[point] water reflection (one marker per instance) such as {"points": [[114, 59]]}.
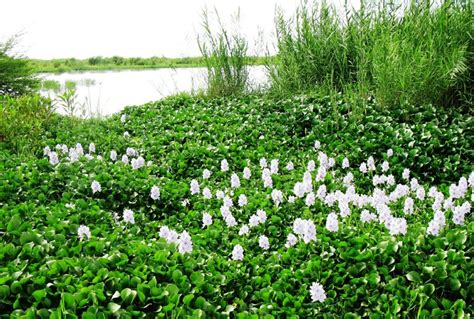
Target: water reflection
{"points": [[108, 92]]}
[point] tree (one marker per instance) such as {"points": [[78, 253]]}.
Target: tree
{"points": [[16, 74]]}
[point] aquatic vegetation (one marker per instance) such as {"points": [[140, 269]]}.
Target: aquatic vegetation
{"points": [[205, 218]]}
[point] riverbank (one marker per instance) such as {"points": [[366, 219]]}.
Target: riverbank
{"points": [[121, 63]]}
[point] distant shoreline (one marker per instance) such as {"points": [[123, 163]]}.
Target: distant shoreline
{"points": [[122, 64]]}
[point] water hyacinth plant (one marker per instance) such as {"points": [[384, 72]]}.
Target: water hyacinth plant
{"points": [[265, 232]]}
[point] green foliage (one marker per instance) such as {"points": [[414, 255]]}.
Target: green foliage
{"points": [[418, 54], [125, 270], [225, 57], [16, 74], [23, 121]]}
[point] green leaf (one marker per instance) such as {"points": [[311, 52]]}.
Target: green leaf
{"points": [[188, 298], [113, 307], [39, 295], [413, 276], [454, 284], [197, 278]]}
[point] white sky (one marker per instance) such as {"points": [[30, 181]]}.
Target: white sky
{"points": [[138, 28]]}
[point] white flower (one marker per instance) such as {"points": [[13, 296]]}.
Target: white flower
{"points": [[332, 223], [321, 173], [371, 163], [367, 216], [83, 231], [238, 253], [389, 152], [397, 226], [194, 186], [206, 174], [267, 178], [385, 166], [409, 205], [420, 193], [70, 206], [53, 158], [227, 201], [185, 202], [138, 162], [46, 150], [317, 145], [220, 194], [321, 192], [125, 159], [254, 220], [274, 166], [262, 216], [244, 230], [185, 245], [471, 179], [128, 216], [131, 151], [305, 229], [263, 163], [433, 228], [95, 187], [406, 174], [206, 192], [311, 166], [126, 134], [149, 163], [224, 165], [234, 181], [91, 148], [363, 168], [230, 220], [290, 166], [242, 200], [113, 155], [123, 117], [299, 189], [317, 292], [155, 193], [247, 173], [73, 156], [169, 235], [345, 163], [89, 157], [310, 199], [331, 162], [206, 220], [79, 149], [277, 197], [291, 199], [263, 242], [291, 240], [347, 181]]}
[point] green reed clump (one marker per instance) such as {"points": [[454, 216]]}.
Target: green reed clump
{"points": [[418, 54], [226, 60]]}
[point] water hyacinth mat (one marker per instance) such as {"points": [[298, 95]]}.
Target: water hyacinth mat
{"points": [[195, 208]]}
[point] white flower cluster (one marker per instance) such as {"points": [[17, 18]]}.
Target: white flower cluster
{"points": [[263, 242], [95, 185], [317, 292], [277, 197], [206, 174], [234, 181], [305, 229], [128, 216], [238, 253], [183, 240], [267, 178], [155, 193], [194, 187], [83, 231], [247, 174], [138, 162], [206, 220], [332, 223], [258, 218]]}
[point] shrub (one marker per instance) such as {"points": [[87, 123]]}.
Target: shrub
{"points": [[23, 120], [225, 56], [419, 54], [16, 75]]}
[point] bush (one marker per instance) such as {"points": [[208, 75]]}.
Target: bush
{"points": [[23, 120], [420, 54], [225, 56], [16, 75]]}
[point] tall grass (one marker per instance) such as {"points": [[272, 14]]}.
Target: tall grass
{"points": [[419, 53], [226, 59]]}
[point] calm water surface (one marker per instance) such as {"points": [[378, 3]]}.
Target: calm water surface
{"points": [[110, 91]]}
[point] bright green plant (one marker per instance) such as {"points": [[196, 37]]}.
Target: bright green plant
{"points": [[225, 56], [16, 75], [23, 121]]}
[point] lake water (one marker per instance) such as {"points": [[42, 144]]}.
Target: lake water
{"points": [[108, 92]]}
